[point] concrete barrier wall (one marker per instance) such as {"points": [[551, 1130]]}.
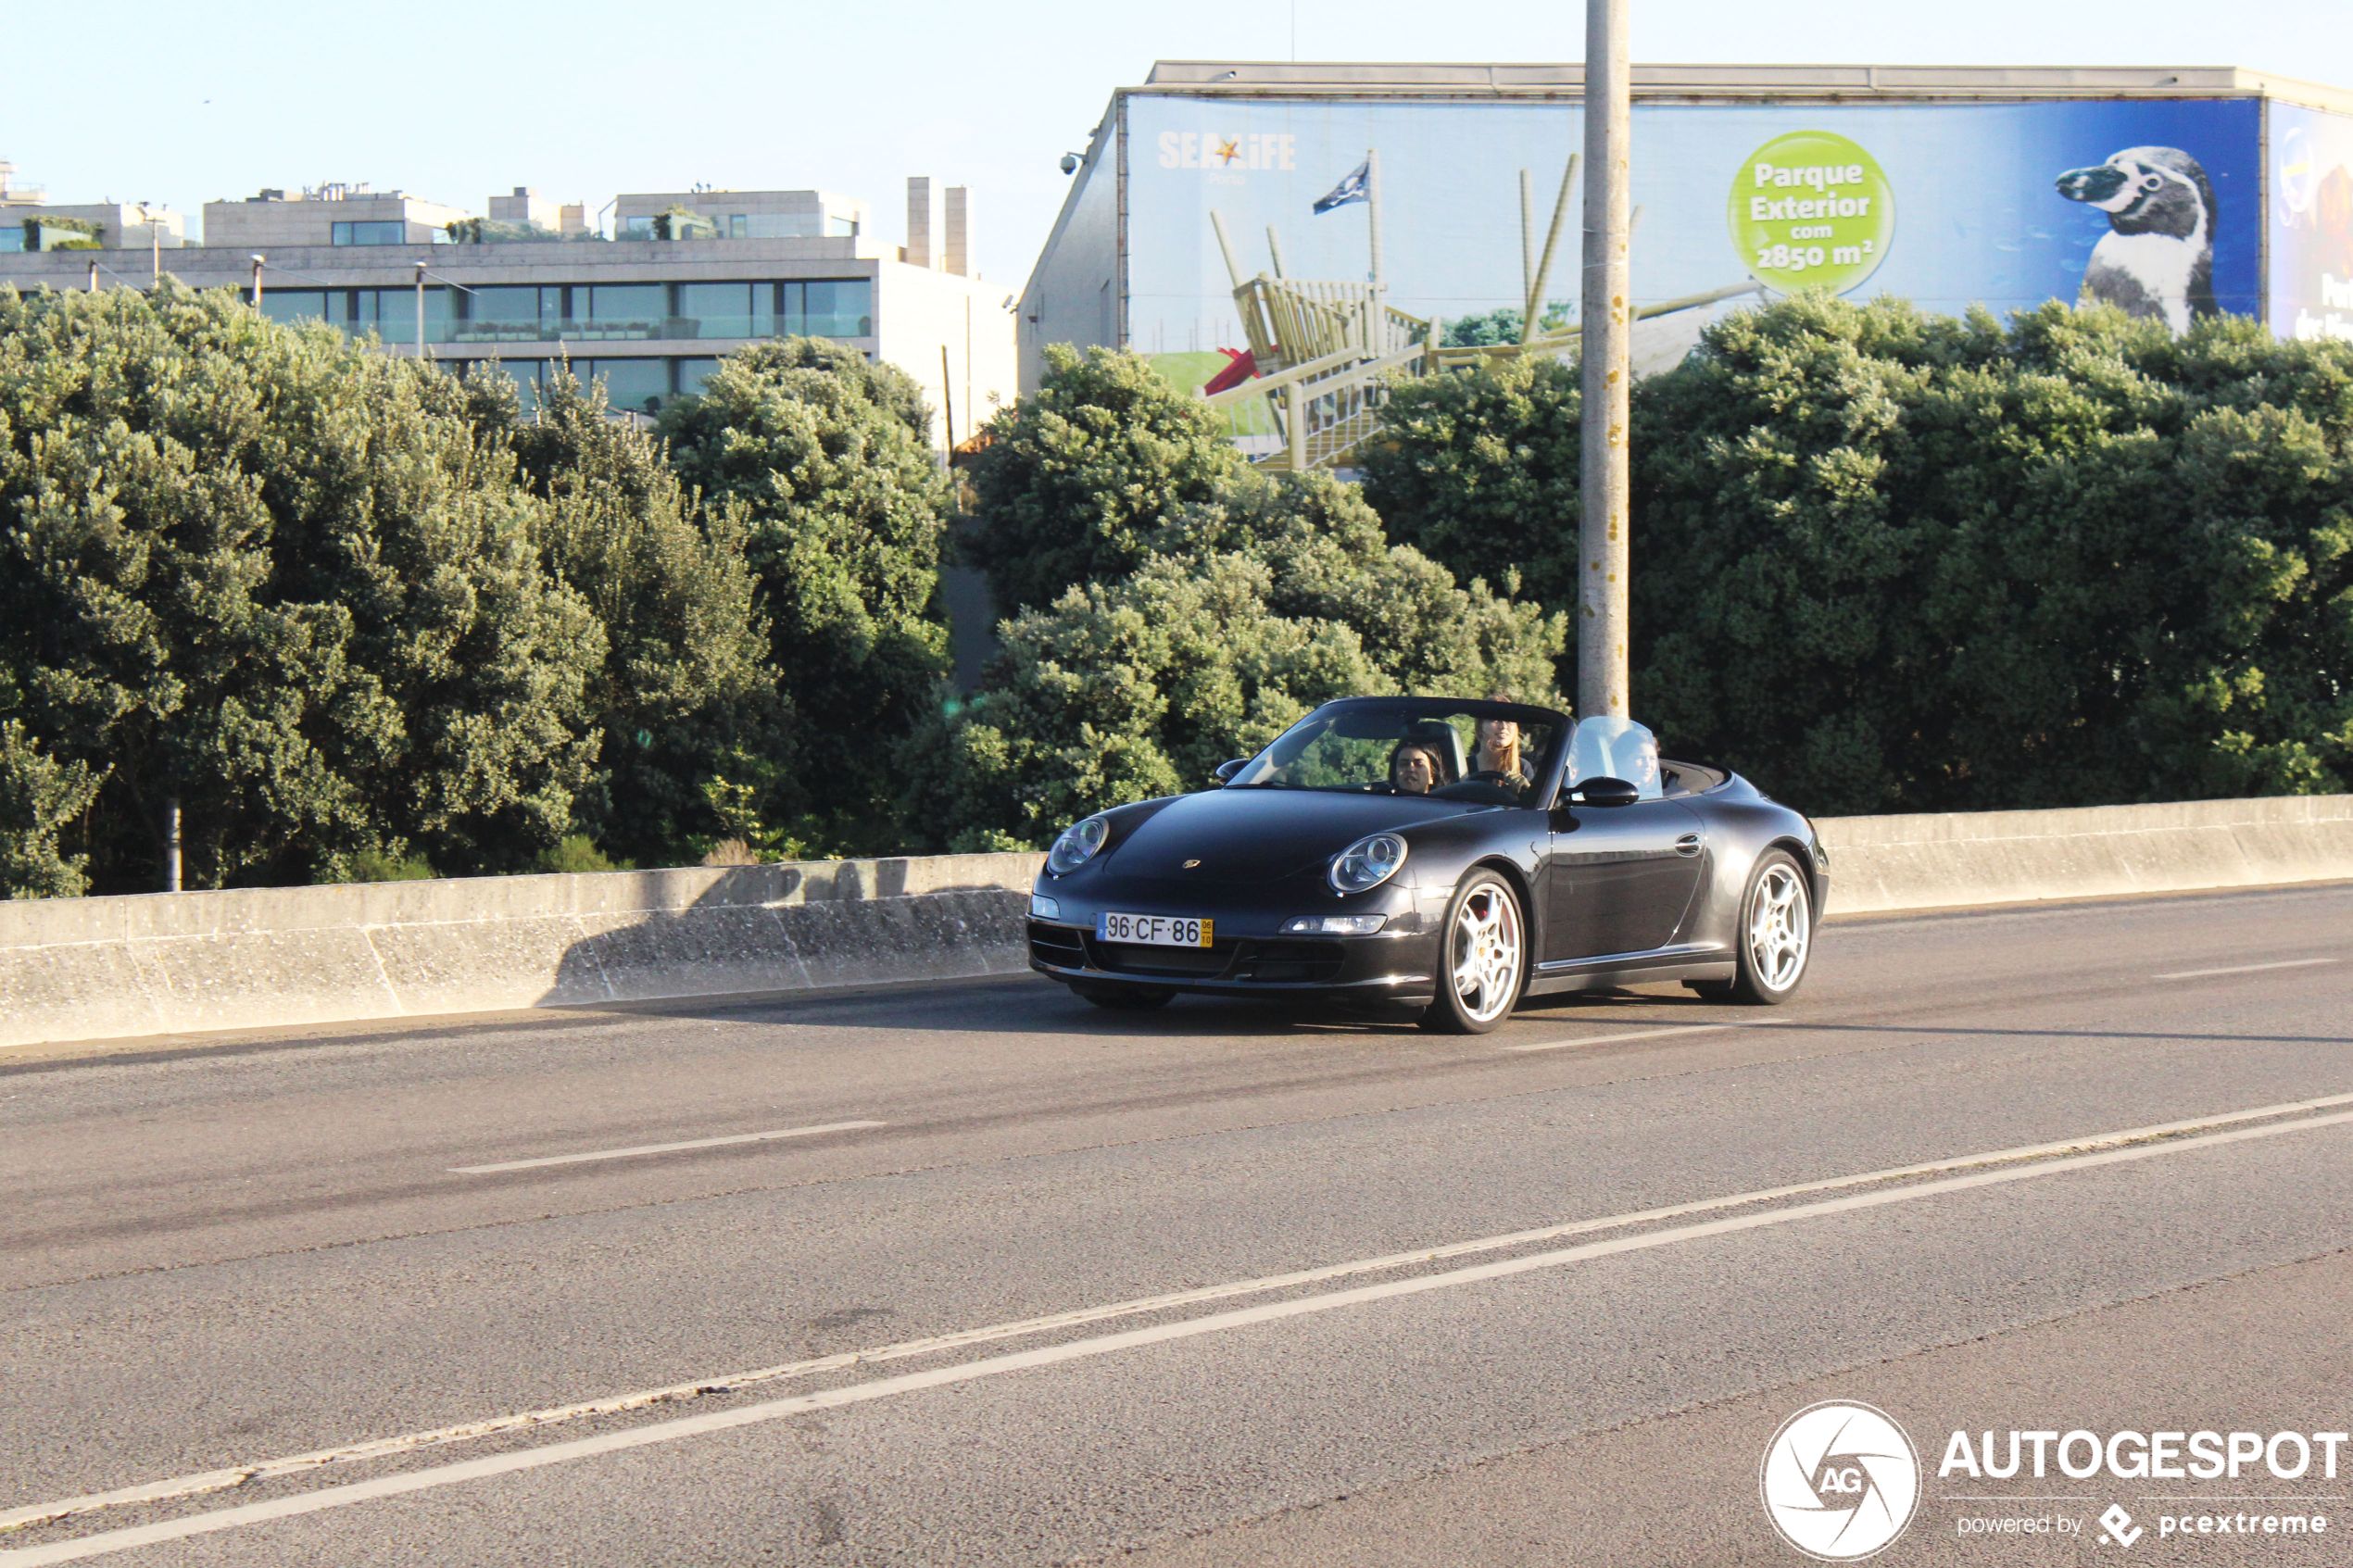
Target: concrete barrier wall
{"points": [[167, 964], [1886, 863], [84, 969]]}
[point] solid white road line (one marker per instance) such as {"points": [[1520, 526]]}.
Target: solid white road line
{"points": [[2241, 968], [660, 1149], [220, 1480], [1103, 1345], [1637, 1034]]}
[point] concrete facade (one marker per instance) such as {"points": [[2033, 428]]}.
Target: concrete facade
{"points": [[121, 225], [280, 220]]}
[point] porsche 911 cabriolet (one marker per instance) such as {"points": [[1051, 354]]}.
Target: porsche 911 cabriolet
{"points": [[1446, 855]]}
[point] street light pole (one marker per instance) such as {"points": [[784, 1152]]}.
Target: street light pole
{"points": [[259, 263], [1607, 309]]}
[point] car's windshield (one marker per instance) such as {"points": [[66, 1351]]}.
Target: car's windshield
{"points": [[1492, 753]]}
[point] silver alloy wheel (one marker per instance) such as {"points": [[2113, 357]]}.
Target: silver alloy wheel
{"points": [[1484, 952], [1778, 928]]}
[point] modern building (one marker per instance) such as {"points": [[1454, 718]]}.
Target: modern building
{"points": [[132, 225], [694, 275], [1232, 208]]}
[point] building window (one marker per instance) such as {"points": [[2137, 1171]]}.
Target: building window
{"points": [[640, 386], [842, 228], [301, 304], [385, 231], [692, 373], [636, 228], [719, 310], [391, 314], [626, 309], [832, 308]]}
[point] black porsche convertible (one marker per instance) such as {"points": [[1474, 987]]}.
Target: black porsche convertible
{"points": [[1446, 854]]}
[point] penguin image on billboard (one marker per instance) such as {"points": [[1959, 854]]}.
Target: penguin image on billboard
{"points": [[2156, 260]]}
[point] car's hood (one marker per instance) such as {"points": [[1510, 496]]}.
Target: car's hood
{"points": [[1262, 835]]}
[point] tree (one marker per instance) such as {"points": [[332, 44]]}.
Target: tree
{"points": [[846, 511], [686, 699], [1074, 479], [1479, 469], [1502, 325], [1246, 612], [274, 577], [1888, 560], [39, 795]]}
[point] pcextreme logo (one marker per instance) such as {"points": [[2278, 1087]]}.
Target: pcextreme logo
{"points": [[1840, 1481]]}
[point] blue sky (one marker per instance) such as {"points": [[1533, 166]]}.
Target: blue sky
{"points": [[173, 104]]}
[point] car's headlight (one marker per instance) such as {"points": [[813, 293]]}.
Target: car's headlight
{"points": [[1043, 908], [1368, 864], [1078, 845]]}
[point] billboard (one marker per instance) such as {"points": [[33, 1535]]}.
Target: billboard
{"points": [[2154, 204], [2312, 223]]}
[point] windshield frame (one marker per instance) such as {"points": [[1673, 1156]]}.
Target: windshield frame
{"points": [[1544, 768]]}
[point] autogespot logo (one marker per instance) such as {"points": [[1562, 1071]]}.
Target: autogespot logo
{"points": [[1840, 1481]]}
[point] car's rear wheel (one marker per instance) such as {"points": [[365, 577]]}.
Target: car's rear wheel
{"points": [[1129, 998], [1482, 959], [1776, 934]]}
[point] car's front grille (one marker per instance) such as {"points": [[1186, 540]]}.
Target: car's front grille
{"points": [[1274, 964], [1060, 945], [1133, 958], [1292, 962]]}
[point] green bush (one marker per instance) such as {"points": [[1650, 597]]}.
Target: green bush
{"points": [[1074, 479], [845, 511], [1245, 613], [39, 795], [374, 865], [1887, 560], [277, 577], [578, 853]]}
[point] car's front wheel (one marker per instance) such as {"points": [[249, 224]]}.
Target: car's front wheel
{"points": [[1482, 959], [1776, 934]]}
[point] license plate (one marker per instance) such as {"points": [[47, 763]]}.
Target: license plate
{"points": [[1154, 931]]}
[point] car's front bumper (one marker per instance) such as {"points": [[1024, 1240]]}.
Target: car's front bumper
{"points": [[1387, 966]]}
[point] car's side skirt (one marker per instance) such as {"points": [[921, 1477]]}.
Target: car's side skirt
{"points": [[1687, 961]]}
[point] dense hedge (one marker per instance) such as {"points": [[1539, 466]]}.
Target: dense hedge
{"points": [[1886, 560]]}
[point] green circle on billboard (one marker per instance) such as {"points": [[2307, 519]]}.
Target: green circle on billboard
{"points": [[1811, 210]]}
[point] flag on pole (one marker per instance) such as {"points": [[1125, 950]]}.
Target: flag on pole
{"points": [[1355, 188]]}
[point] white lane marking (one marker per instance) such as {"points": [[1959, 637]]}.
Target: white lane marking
{"points": [[1103, 1345], [1637, 1034], [2241, 968], [220, 1480], [660, 1149]]}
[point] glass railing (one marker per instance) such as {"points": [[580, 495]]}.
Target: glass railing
{"points": [[399, 330]]}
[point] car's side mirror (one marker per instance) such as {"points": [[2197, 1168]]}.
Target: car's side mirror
{"points": [[1604, 792], [1225, 772]]}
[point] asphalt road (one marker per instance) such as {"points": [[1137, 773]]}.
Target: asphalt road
{"points": [[1031, 1282]]}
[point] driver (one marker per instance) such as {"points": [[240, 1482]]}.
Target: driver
{"points": [[1415, 768], [1499, 748]]}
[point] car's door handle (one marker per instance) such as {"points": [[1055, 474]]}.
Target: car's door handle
{"points": [[1687, 844]]}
